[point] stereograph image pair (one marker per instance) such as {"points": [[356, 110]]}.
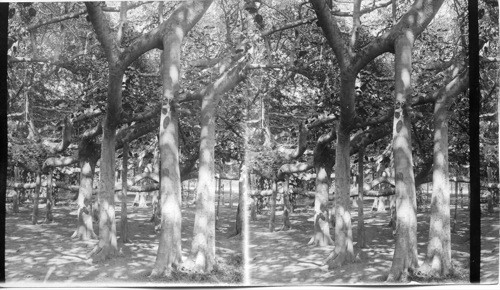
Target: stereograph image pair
{"points": [[240, 143]]}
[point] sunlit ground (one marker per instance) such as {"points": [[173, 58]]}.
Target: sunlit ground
{"points": [[284, 257], [45, 253]]}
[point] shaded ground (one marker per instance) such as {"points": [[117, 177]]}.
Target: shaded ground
{"points": [[284, 257], [45, 253]]}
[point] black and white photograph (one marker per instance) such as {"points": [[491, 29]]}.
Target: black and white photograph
{"points": [[231, 143]]}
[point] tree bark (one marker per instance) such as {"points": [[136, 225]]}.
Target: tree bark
{"points": [[123, 214], [287, 206], [219, 183], [107, 246], [15, 201], [241, 203], [36, 195], [405, 254], [50, 202], [344, 250], [272, 212], [203, 247], [231, 194], [88, 155], [323, 166], [438, 259], [361, 178], [169, 250]]}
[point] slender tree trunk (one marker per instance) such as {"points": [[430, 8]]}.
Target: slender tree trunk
{"points": [[36, 196], [272, 214], [438, 259], [49, 203], [231, 194], [123, 214], [405, 254], [15, 200], [221, 193], [241, 202], [361, 222], [203, 247], [218, 202], [286, 207], [453, 229]]}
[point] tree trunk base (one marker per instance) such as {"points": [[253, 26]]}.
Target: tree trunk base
{"points": [[401, 272], [101, 253], [321, 236], [85, 229], [161, 272], [427, 270], [338, 258], [83, 235]]}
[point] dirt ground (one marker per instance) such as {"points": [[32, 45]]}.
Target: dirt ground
{"points": [[283, 257], [45, 253]]}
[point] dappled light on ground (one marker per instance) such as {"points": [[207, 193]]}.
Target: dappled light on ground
{"points": [[283, 257], [45, 253]]}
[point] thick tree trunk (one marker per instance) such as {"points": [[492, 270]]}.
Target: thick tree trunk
{"points": [[169, 250], [361, 178], [344, 250], [107, 246], [272, 212], [123, 214], [405, 254], [36, 195], [49, 203]]}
